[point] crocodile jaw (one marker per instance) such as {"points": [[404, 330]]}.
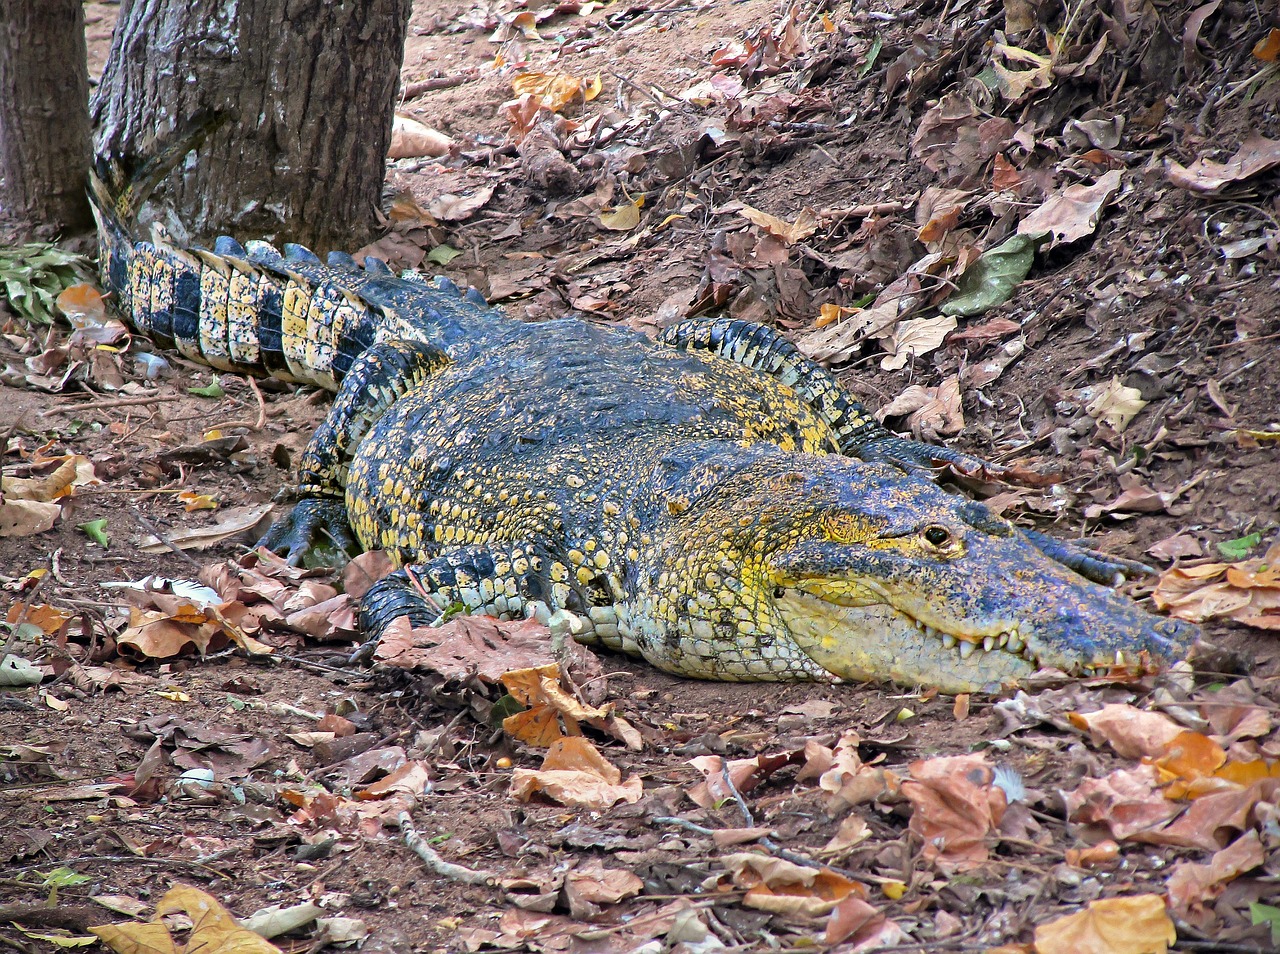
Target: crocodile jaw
{"points": [[876, 642]]}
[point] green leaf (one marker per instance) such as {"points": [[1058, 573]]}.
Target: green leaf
{"points": [[96, 530], [1261, 913], [1239, 548], [62, 878], [442, 254], [872, 55], [33, 275], [213, 390], [990, 280]]}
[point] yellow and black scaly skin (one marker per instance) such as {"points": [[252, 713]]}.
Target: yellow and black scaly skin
{"points": [[697, 500]]}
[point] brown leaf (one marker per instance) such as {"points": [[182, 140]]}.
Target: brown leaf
{"points": [[454, 208], [783, 887], [1193, 886], [1247, 591], [955, 809], [574, 773], [1132, 732], [23, 518], [1072, 213], [410, 138], [1256, 154], [1136, 924], [1126, 804], [806, 224], [213, 929]]}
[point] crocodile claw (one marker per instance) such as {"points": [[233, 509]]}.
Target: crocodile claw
{"points": [[312, 520], [1105, 568], [919, 457]]}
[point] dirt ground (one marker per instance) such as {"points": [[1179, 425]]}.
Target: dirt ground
{"points": [[1168, 299]]}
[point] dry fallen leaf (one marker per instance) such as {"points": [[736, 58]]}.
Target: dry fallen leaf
{"points": [[213, 929], [806, 224], [784, 887], [410, 139], [555, 91], [1072, 213], [1132, 732], [1116, 405], [955, 809], [1247, 591], [574, 773], [1136, 924], [1256, 154], [1193, 886]]}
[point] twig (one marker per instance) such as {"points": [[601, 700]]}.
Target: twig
{"points": [[771, 846], [155, 532], [437, 82], [437, 865], [75, 918], [102, 405], [252, 425]]}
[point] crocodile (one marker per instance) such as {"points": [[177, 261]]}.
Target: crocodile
{"points": [[711, 500]]}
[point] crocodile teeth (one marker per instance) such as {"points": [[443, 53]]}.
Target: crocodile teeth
{"points": [[1015, 644], [967, 648], [949, 641], [989, 643], [1119, 658]]}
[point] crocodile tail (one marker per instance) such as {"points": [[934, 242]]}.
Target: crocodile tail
{"points": [[257, 310]]}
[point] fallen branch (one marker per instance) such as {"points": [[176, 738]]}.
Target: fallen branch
{"points": [[437, 865], [102, 405]]}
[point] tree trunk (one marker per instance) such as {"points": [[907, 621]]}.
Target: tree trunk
{"points": [[44, 117], [311, 85]]}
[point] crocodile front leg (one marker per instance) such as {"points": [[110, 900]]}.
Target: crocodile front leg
{"points": [[378, 378]]}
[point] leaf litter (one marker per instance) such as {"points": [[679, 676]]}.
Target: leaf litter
{"points": [[1110, 834]]}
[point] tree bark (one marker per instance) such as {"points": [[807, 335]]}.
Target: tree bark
{"points": [[311, 85], [44, 118]]}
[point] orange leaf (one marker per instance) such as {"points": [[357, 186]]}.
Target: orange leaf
{"points": [[1268, 48], [1132, 925]]}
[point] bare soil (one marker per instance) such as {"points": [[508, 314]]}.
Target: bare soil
{"points": [[1149, 299]]}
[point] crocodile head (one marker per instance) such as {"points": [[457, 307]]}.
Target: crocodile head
{"points": [[874, 574]]}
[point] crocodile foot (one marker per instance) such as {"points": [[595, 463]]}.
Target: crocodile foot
{"points": [[918, 456], [312, 520], [1105, 568]]}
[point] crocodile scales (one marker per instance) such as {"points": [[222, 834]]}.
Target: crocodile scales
{"points": [[711, 501]]}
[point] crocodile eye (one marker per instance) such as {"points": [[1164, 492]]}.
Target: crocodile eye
{"points": [[937, 536], [779, 592]]}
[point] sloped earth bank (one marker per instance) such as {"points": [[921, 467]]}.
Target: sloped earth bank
{"points": [[894, 142]]}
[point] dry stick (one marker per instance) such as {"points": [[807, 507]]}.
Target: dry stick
{"points": [[252, 425], [772, 846], [437, 865], [155, 532], [101, 405], [438, 82]]}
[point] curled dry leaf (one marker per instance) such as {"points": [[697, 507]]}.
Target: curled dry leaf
{"points": [[806, 224], [1137, 924], [783, 887], [1132, 732], [212, 929], [555, 91], [955, 809], [1256, 154], [410, 139], [931, 412], [228, 523], [914, 338], [1192, 887], [574, 773], [1072, 213], [1116, 405], [1247, 592], [861, 927]]}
